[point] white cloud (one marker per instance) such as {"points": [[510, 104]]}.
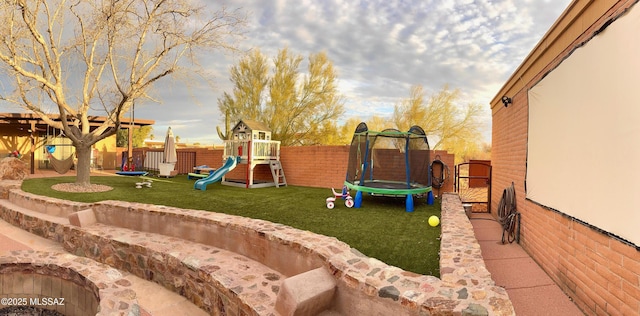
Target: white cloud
{"points": [[379, 48]]}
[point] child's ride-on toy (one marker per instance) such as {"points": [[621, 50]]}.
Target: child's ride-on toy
{"points": [[348, 200], [145, 182]]}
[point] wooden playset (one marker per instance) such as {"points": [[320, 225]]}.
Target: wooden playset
{"points": [[251, 142]]}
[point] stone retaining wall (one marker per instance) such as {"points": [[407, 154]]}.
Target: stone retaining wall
{"points": [[6, 186], [279, 247], [364, 286], [213, 279], [65, 283], [46, 205]]}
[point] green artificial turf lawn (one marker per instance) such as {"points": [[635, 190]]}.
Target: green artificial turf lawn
{"points": [[380, 228]]}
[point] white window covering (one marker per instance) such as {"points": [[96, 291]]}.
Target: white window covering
{"points": [[583, 154]]}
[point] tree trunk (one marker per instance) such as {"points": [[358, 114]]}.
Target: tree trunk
{"points": [[83, 167]]}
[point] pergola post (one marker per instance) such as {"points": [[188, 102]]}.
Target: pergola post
{"points": [[32, 130]]}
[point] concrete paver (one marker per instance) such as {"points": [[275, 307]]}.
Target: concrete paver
{"points": [[9, 244], [532, 275], [158, 301], [495, 250], [18, 239], [531, 290], [542, 300]]}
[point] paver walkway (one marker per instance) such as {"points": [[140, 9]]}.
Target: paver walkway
{"points": [[530, 289]]}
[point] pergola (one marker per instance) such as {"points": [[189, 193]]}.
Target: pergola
{"points": [[32, 126]]}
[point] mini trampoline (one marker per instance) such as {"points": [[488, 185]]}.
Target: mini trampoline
{"points": [[389, 187], [132, 173], [389, 162]]}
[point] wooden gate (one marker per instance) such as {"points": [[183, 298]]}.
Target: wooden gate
{"points": [[473, 184]]}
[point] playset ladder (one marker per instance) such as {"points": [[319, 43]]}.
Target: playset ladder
{"points": [[277, 173]]}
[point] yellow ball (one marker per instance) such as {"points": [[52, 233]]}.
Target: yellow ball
{"points": [[434, 221]]}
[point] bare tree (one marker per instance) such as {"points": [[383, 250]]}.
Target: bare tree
{"points": [[75, 57]]}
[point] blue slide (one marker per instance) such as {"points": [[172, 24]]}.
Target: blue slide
{"points": [[215, 176]]}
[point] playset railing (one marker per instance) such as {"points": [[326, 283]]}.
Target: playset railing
{"points": [[253, 149]]}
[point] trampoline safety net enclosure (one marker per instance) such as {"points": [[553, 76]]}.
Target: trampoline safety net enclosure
{"points": [[389, 162]]}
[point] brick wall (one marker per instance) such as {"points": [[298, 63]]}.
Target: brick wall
{"points": [[390, 164], [210, 157], [449, 160], [261, 173], [598, 271], [313, 166]]}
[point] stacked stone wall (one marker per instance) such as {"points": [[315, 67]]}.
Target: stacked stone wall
{"points": [[197, 270], [65, 283]]}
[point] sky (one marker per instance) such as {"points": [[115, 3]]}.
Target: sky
{"points": [[380, 49]]}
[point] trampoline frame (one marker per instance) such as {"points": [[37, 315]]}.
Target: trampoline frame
{"points": [[415, 189], [409, 192]]}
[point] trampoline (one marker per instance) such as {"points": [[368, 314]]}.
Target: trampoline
{"points": [[388, 187], [391, 163], [132, 173]]}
